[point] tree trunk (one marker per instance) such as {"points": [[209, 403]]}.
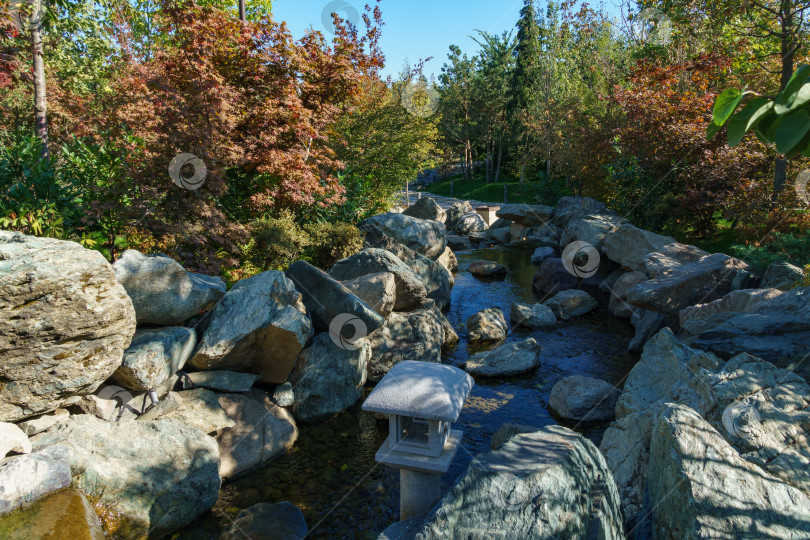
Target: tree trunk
{"points": [[40, 96], [788, 52], [498, 168]]}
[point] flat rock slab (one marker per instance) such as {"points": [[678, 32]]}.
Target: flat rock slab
{"points": [[532, 316], [145, 478], [506, 360], [63, 514], [25, 479], [629, 246], [528, 215], [161, 289], [64, 323], [200, 409], [154, 355], [41, 423], [223, 380], [13, 439], [262, 432]]}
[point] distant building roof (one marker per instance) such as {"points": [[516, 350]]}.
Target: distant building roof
{"points": [[421, 389]]}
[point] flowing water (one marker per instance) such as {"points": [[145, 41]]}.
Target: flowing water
{"points": [[330, 473]]}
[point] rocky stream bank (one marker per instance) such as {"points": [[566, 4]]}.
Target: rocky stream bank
{"points": [[129, 393]]}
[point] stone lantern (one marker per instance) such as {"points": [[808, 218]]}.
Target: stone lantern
{"points": [[421, 400], [488, 213]]}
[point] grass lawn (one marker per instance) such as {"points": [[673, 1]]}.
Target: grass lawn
{"points": [[477, 189]]}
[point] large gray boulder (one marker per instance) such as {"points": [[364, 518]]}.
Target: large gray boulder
{"points": [[25, 479], [528, 215], [572, 208], [552, 278], [618, 306], [410, 291], [542, 253], [508, 493], [449, 261], [155, 477], [532, 316], [779, 338], [426, 208], [328, 378], [458, 243], [427, 237], [695, 283], [671, 257], [700, 486], [261, 432], [162, 291], [487, 325], [200, 408], [571, 303], [546, 234], [629, 246], [378, 290], [696, 319], [154, 355], [326, 299], [64, 323], [258, 326], [470, 223], [505, 360], [437, 279], [583, 399], [781, 275], [13, 439], [591, 229], [265, 521], [455, 212], [418, 335]]}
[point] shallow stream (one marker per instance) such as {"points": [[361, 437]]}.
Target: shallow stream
{"points": [[330, 473]]}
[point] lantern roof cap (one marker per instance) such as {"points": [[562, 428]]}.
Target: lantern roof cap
{"points": [[422, 390]]}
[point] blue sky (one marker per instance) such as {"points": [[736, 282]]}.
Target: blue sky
{"points": [[415, 29]]}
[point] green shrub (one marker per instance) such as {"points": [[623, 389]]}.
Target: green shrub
{"points": [[277, 242], [792, 248], [331, 242]]}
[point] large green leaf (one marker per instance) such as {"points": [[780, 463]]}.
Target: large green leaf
{"points": [[802, 97], [725, 105], [747, 118], [788, 95], [791, 132], [712, 130], [766, 128]]}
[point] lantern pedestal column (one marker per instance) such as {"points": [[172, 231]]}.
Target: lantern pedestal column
{"points": [[418, 492]]}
